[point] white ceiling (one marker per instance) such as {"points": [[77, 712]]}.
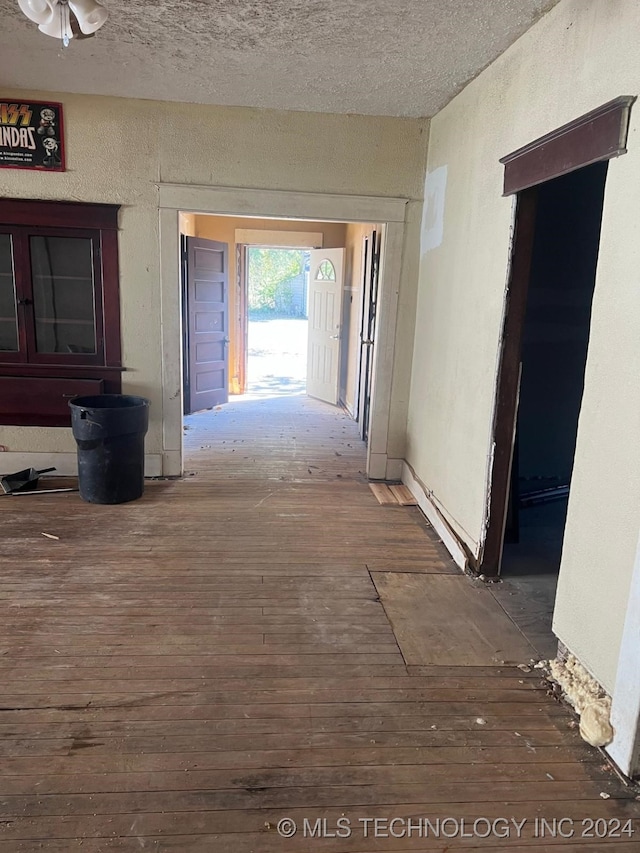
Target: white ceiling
{"points": [[378, 57]]}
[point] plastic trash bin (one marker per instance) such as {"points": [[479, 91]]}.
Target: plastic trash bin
{"points": [[109, 430]]}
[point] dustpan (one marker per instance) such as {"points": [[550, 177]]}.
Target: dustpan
{"points": [[22, 481]]}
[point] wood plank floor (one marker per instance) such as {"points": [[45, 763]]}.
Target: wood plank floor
{"points": [[183, 672], [420, 609]]}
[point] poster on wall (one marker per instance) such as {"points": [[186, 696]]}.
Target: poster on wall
{"points": [[31, 136]]}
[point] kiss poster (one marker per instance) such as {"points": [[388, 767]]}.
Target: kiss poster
{"points": [[31, 136]]}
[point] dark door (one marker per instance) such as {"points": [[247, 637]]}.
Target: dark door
{"points": [[371, 268], [541, 378], [205, 323]]}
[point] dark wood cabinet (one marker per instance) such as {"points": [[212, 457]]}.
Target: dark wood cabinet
{"points": [[59, 308]]}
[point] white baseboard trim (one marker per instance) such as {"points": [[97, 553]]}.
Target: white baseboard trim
{"points": [[153, 465], [377, 466], [171, 463], [434, 517], [394, 469], [66, 464]]}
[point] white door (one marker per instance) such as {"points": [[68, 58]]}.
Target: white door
{"points": [[326, 271]]}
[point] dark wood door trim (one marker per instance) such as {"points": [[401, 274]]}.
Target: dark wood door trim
{"points": [[64, 214], [184, 312], [598, 135], [366, 248], [368, 329], [509, 379]]}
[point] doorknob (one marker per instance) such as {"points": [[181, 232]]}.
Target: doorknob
{"points": [[226, 340], [334, 337], [25, 301]]}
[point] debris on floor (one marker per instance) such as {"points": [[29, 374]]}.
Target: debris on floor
{"points": [[588, 698], [595, 725]]}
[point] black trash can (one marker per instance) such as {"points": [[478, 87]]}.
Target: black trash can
{"points": [[109, 430]]}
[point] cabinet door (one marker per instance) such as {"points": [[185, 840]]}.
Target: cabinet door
{"points": [[12, 343], [66, 298]]}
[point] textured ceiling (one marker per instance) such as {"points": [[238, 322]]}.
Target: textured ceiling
{"points": [[379, 57]]}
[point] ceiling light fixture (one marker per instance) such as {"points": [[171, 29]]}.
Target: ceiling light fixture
{"points": [[65, 19]]}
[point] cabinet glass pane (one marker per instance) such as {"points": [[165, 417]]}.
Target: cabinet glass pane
{"points": [[8, 318], [62, 272]]}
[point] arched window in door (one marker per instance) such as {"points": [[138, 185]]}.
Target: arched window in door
{"points": [[325, 271]]}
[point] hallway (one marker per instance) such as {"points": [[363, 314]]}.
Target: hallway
{"points": [[183, 672]]}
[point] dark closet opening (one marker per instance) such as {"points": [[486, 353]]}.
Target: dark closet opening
{"points": [[555, 338]]}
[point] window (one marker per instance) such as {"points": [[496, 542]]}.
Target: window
{"points": [[325, 271]]}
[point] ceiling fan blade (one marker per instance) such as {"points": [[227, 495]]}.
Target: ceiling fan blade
{"points": [[38, 11], [90, 14], [77, 32]]}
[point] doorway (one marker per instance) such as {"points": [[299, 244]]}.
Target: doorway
{"points": [[293, 318], [559, 230], [382, 461], [276, 282]]}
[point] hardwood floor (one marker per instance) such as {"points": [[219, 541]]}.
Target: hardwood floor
{"points": [[182, 672]]}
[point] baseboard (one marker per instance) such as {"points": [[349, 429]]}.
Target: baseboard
{"points": [[66, 464], [377, 466], [171, 463], [448, 537], [394, 469]]}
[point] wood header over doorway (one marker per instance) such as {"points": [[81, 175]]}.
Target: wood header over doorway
{"points": [[280, 239], [598, 135]]}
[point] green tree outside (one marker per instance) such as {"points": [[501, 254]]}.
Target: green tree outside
{"points": [[268, 270]]}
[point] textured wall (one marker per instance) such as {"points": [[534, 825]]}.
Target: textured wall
{"points": [[119, 149], [579, 56]]}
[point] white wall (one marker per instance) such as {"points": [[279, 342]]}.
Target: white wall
{"points": [[580, 55], [119, 149]]}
